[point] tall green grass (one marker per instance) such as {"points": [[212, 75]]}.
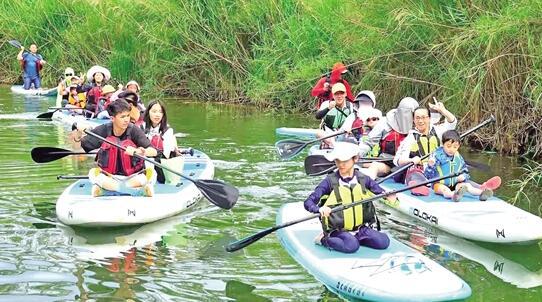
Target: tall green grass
{"points": [[479, 57]]}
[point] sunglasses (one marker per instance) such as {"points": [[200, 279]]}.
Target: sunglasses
{"points": [[68, 74], [373, 119]]}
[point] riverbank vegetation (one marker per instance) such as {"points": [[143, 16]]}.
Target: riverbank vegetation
{"points": [[479, 57]]}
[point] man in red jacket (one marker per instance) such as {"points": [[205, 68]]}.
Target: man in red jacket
{"points": [[322, 89]]}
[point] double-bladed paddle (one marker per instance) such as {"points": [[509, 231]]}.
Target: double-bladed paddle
{"points": [[400, 169], [288, 148], [219, 193], [237, 245]]}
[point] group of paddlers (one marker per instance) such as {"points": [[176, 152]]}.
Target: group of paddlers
{"points": [[410, 134]]}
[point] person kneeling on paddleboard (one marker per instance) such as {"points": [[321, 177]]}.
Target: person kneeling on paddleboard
{"points": [[345, 186], [119, 171], [446, 160]]}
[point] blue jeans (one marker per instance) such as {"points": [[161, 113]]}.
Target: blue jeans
{"points": [[27, 82]]}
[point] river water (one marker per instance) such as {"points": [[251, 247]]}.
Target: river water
{"points": [[183, 258]]}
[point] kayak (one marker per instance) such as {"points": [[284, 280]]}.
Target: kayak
{"points": [[496, 264], [69, 117], [76, 206], [18, 89], [297, 132], [95, 244], [397, 273], [493, 220]]}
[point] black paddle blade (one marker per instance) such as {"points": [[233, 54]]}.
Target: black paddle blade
{"points": [[219, 193], [288, 148], [239, 244], [48, 154], [15, 43], [317, 164], [46, 115]]}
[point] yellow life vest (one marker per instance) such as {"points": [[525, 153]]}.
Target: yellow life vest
{"points": [[80, 102], [349, 219], [424, 144]]}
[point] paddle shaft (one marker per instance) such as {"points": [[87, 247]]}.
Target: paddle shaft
{"points": [[403, 168], [72, 177], [234, 246], [331, 135], [139, 156]]}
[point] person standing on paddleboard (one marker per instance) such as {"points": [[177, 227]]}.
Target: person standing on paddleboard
{"points": [[31, 62], [345, 186]]}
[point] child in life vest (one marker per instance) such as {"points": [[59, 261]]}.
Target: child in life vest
{"points": [[446, 160], [344, 186]]}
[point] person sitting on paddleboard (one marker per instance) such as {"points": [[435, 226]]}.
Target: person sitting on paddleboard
{"points": [[423, 139], [446, 160], [160, 134], [322, 89], [386, 136], [63, 88], [344, 186], [364, 102], [131, 87], [104, 101], [98, 77], [31, 62], [113, 162], [333, 114], [75, 99]]}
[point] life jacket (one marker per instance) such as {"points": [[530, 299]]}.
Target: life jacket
{"points": [[39, 66], [390, 143], [424, 144], [349, 219], [80, 101], [93, 96], [109, 157], [157, 142], [358, 133], [335, 118], [449, 167], [375, 150]]}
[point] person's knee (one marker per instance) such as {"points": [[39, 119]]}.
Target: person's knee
{"points": [[381, 241], [351, 246]]}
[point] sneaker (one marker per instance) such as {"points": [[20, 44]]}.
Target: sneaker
{"points": [[493, 183], [148, 190], [458, 194], [419, 191], [486, 194], [96, 191], [318, 239], [93, 175]]}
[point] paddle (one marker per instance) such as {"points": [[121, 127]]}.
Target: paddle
{"points": [[491, 119], [49, 114], [288, 148], [219, 193], [317, 164], [237, 245], [49, 154], [18, 45], [59, 177]]}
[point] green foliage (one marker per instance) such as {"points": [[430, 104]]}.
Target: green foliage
{"points": [[479, 57]]}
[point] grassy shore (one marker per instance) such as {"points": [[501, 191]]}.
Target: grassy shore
{"points": [[479, 57]]}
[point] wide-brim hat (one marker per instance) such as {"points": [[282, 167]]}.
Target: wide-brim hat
{"points": [[95, 69], [108, 89], [400, 119], [343, 151]]}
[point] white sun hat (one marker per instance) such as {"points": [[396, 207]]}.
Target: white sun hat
{"points": [[343, 151], [95, 69], [365, 113]]}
